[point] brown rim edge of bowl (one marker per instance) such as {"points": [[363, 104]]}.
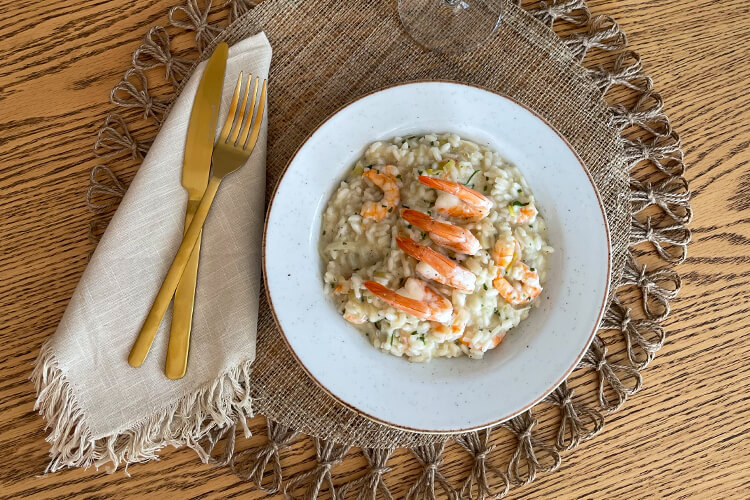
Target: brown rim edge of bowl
{"points": [[567, 371]]}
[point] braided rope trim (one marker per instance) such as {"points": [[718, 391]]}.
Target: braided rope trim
{"points": [[155, 51], [430, 457], [132, 92], [252, 464], [477, 444], [328, 455], [114, 139], [372, 482], [191, 17], [661, 212]]}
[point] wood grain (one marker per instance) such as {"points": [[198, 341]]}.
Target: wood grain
{"points": [[685, 435]]}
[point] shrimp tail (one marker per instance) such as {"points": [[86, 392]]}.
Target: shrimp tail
{"points": [[379, 210], [406, 304], [439, 267], [504, 253], [465, 193], [529, 287], [444, 234], [431, 305], [437, 261]]}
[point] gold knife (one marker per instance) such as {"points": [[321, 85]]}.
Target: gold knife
{"points": [[195, 170], [196, 167]]}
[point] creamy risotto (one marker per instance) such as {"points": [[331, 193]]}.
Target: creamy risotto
{"points": [[432, 246]]}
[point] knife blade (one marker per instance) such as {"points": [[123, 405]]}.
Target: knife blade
{"points": [[196, 167]]}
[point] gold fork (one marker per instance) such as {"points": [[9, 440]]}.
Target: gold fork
{"points": [[236, 142]]}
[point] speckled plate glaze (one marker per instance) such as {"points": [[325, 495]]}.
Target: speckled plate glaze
{"points": [[444, 395]]}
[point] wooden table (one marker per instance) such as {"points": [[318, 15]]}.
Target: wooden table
{"points": [[685, 435]]}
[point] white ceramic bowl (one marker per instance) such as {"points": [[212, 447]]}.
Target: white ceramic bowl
{"points": [[444, 395]]}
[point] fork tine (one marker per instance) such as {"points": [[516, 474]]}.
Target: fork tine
{"points": [[232, 110], [249, 115], [242, 114], [258, 120], [253, 136]]}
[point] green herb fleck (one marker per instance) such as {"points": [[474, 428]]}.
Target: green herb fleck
{"points": [[344, 243], [424, 235], [412, 137], [531, 269], [405, 206], [383, 206], [390, 209], [324, 232], [409, 226], [485, 188], [368, 166], [421, 337], [484, 286], [434, 143], [420, 172], [470, 177], [398, 176], [392, 335], [519, 191], [429, 212], [414, 332], [518, 204]]}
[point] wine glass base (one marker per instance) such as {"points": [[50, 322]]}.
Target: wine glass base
{"points": [[450, 26]]}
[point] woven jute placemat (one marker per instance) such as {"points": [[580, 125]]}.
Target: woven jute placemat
{"points": [[319, 69], [328, 54]]}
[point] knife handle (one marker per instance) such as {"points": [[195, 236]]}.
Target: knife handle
{"points": [[148, 331], [182, 310]]}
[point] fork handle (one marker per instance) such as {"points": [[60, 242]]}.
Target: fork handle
{"points": [[172, 279]]}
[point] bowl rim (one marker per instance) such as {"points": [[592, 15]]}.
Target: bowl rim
{"points": [[567, 372]]}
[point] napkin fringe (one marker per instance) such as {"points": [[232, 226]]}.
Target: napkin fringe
{"points": [[214, 409]]}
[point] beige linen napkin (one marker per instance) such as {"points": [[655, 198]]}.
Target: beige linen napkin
{"points": [[99, 408]]}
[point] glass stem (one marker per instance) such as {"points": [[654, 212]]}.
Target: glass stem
{"points": [[456, 4]]}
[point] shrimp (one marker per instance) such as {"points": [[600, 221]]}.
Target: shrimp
{"points": [[529, 286], [522, 214], [437, 267], [444, 234], [505, 252], [354, 316], [453, 331], [357, 319], [457, 200], [469, 342], [386, 181], [415, 298]]}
